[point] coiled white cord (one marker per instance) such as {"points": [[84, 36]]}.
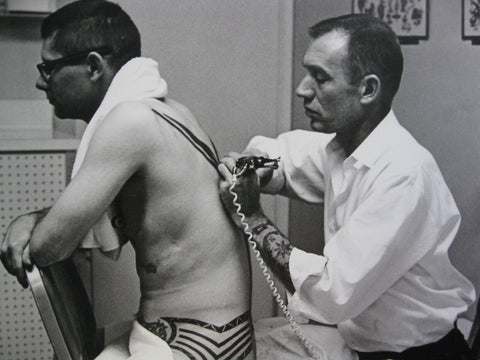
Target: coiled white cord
{"points": [[278, 298]]}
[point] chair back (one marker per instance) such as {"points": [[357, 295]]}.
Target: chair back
{"points": [[65, 310]]}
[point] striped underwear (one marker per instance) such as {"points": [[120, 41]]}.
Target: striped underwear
{"points": [[200, 340]]}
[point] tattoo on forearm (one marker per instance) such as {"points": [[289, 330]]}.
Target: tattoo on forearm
{"points": [[275, 249], [259, 228], [275, 245]]}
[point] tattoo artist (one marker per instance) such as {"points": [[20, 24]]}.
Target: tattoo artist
{"points": [[384, 279]]}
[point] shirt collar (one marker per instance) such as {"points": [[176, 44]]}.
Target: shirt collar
{"points": [[374, 145]]}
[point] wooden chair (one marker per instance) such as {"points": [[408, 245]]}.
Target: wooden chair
{"points": [[66, 311]]}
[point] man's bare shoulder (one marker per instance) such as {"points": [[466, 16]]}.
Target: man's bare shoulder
{"points": [[128, 130], [132, 120], [130, 113], [180, 108], [142, 112], [172, 108], [136, 125]]}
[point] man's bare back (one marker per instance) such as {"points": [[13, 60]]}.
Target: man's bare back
{"points": [[190, 259], [192, 262]]}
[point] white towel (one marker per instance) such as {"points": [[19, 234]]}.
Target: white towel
{"points": [[275, 340], [139, 344], [145, 345], [138, 79]]}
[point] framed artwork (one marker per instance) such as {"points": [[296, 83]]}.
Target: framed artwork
{"points": [[471, 21], [408, 18]]}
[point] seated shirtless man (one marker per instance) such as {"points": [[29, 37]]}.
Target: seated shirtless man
{"points": [[148, 156]]}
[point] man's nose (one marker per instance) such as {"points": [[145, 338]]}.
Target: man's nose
{"points": [[41, 83], [305, 89]]}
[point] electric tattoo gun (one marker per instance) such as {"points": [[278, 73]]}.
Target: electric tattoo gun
{"points": [[246, 164]]}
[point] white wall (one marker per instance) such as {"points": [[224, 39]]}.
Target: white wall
{"points": [[219, 57], [19, 52]]}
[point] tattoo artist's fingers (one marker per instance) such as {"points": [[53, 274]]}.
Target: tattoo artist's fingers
{"points": [[229, 162], [234, 155], [265, 175], [254, 152], [225, 172]]}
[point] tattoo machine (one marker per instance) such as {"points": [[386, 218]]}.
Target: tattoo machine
{"points": [[242, 166], [247, 164]]}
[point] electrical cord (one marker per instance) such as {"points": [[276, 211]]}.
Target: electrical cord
{"points": [[268, 277]]}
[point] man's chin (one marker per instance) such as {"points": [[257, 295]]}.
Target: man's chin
{"points": [[59, 114], [318, 126]]}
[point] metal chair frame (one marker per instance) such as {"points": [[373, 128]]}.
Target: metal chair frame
{"points": [[66, 311]]}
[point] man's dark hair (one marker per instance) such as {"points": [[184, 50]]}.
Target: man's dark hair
{"points": [[91, 24], [373, 48]]}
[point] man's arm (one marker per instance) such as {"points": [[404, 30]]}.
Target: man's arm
{"points": [[397, 222], [274, 247], [118, 150], [14, 249], [302, 165]]}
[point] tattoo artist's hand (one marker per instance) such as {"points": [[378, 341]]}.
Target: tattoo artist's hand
{"points": [[14, 249], [247, 189], [264, 174]]}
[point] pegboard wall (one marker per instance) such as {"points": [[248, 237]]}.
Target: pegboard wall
{"points": [[27, 182]]}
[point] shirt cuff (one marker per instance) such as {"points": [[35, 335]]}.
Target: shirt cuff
{"points": [[303, 265]]}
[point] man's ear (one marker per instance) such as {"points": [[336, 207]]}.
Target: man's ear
{"points": [[370, 88], [97, 65]]}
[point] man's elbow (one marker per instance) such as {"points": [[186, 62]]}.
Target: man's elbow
{"points": [[333, 309], [336, 315]]}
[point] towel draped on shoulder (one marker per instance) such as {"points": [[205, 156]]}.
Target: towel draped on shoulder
{"points": [[137, 80]]}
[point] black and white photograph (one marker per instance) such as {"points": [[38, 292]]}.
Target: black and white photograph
{"points": [[239, 180]]}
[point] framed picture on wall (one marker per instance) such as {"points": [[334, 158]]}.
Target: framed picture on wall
{"points": [[471, 21], [408, 18]]}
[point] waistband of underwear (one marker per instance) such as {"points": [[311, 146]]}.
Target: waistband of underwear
{"points": [[202, 340]]}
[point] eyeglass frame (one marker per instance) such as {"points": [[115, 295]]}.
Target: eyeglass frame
{"points": [[47, 67]]}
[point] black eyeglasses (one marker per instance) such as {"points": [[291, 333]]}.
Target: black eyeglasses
{"points": [[46, 68]]}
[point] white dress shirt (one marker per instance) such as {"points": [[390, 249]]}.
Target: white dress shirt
{"points": [[384, 277]]}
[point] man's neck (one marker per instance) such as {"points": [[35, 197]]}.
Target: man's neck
{"points": [[102, 91], [351, 139]]}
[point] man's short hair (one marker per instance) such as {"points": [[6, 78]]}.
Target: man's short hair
{"points": [[91, 24], [373, 48]]}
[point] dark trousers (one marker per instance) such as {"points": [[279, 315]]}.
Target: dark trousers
{"points": [[451, 347]]}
